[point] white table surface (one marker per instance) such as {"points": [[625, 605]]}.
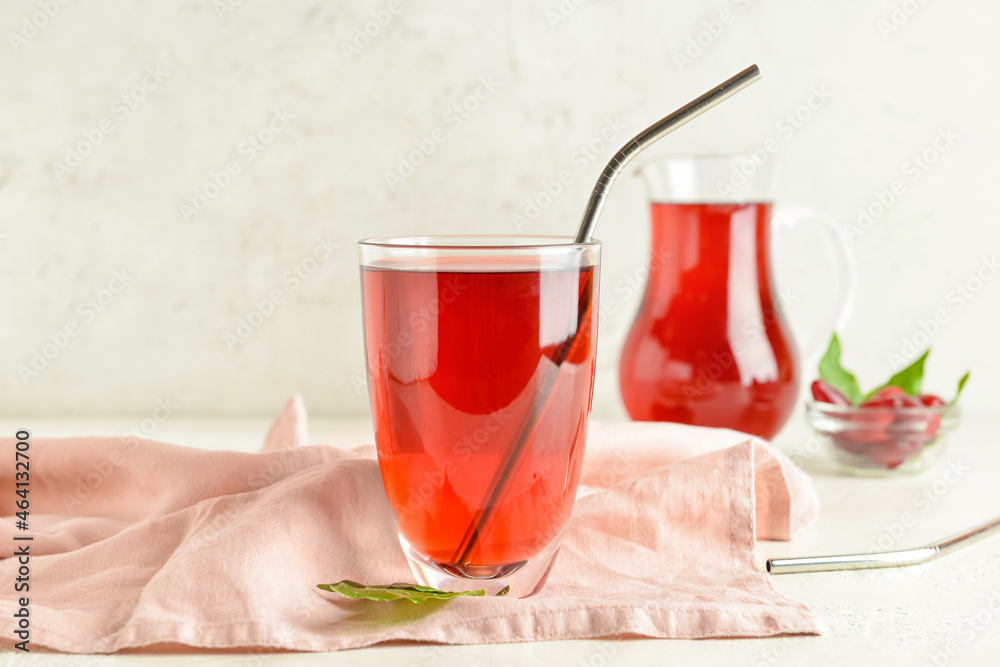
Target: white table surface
{"points": [[946, 612]]}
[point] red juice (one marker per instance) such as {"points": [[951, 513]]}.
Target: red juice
{"points": [[709, 345], [459, 359]]}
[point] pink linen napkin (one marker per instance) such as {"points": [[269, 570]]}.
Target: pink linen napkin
{"points": [[140, 543]]}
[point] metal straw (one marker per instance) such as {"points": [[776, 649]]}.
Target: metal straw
{"points": [[885, 559], [497, 489], [651, 135], [508, 468]]}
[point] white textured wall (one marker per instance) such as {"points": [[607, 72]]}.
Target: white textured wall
{"points": [[338, 119]]}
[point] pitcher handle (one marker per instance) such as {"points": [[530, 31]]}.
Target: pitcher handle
{"points": [[789, 217]]}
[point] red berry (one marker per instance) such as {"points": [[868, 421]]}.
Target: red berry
{"points": [[847, 443], [894, 453], [893, 400], [824, 392], [876, 433], [889, 429], [933, 421], [867, 426], [876, 417], [886, 392], [888, 402]]}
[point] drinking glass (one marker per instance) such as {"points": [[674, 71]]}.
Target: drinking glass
{"points": [[480, 353]]}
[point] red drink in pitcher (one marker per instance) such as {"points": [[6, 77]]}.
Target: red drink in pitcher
{"points": [[466, 359], [709, 345]]}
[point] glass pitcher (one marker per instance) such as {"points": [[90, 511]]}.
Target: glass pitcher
{"points": [[710, 345]]}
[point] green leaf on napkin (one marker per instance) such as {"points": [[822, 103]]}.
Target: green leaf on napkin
{"points": [[836, 375], [392, 592], [910, 379]]}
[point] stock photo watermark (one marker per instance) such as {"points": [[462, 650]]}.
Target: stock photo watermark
{"points": [[22, 542], [923, 502], [58, 340], [283, 639], [280, 465], [422, 317], [958, 297], [803, 451], [425, 490], [121, 108], [899, 15], [711, 30], [223, 8], [786, 127], [34, 23], [89, 480], [971, 628], [371, 29], [912, 171], [292, 279], [630, 285], [581, 158], [751, 331], [601, 656], [248, 150], [424, 147], [562, 12], [775, 651]]}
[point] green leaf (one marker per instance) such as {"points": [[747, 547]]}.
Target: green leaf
{"points": [[836, 375], [910, 379], [411, 592], [961, 386]]}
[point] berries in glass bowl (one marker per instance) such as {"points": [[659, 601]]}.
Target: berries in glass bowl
{"points": [[893, 429]]}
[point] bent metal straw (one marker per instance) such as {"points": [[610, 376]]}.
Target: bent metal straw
{"points": [[886, 558], [507, 469], [651, 135]]}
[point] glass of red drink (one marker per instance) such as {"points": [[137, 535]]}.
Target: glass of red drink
{"points": [[710, 345], [480, 354]]}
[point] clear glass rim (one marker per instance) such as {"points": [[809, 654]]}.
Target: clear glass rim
{"points": [[472, 242], [832, 409]]}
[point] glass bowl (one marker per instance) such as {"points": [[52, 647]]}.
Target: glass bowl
{"points": [[883, 440]]}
